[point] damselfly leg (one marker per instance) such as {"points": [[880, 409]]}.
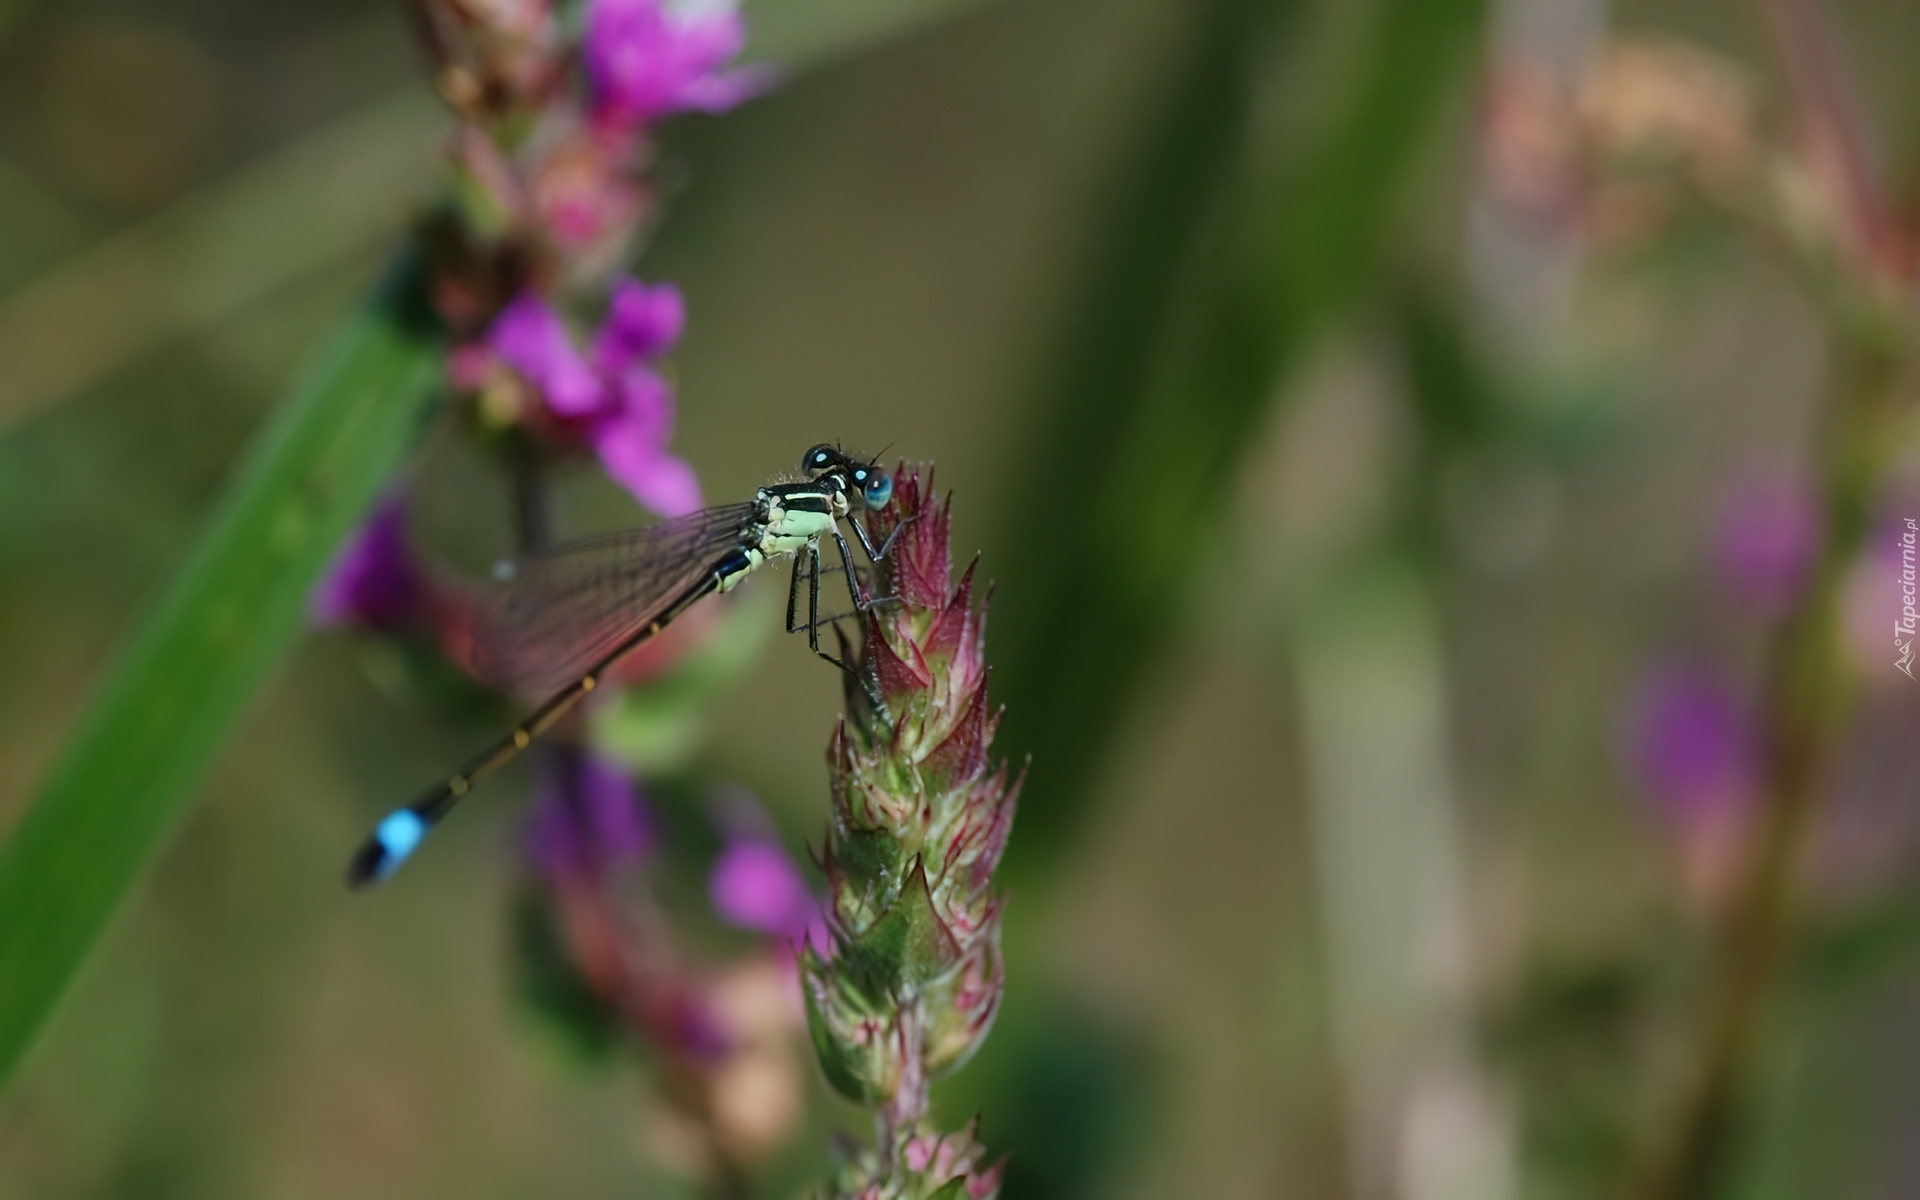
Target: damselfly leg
{"points": [[814, 620], [866, 543], [862, 602], [803, 566]]}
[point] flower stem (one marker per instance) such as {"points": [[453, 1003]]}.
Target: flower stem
{"points": [[1803, 707], [909, 1101], [532, 496]]}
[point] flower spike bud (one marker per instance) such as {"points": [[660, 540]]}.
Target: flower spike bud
{"points": [[919, 820], [922, 1164]]}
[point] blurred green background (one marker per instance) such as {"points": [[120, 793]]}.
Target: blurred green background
{"points": [[1334, 505]]}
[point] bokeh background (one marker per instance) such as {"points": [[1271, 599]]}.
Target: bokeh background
{"points": [[1382, 646]]}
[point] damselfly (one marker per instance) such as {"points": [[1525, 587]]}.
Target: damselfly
{"points": [[571, 613]]}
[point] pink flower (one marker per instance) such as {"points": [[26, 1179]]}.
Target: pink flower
{"points": [[530, 337], [755, 885], [374, 581], [614, 397], [647, 59], [1692, 746], [1689, 744], [642, 323], [587, 197]]}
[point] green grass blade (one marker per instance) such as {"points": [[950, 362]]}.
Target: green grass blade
{"points": [[129, 770], [1198, 312]]}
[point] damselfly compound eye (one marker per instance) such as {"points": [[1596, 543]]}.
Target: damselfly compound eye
{"points": [[818, 459], [879, 490]]}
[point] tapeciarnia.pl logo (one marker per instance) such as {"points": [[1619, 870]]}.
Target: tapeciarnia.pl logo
{"points": [[1903, 628]]}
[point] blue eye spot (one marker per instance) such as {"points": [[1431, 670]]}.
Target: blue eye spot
{"points": [[879, 490]]}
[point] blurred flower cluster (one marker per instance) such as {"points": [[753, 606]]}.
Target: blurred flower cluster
{"points": [[1613, 153], [1690, 739], [557, 352], [911, 975], [551, 196], [1771, 734], [1648, 138], [601, 957], [1690, 746], [1656, 129]]}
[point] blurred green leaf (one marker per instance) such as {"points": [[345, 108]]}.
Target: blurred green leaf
{"points": [[1070, 1095], [548, 981], [166, 707], [802, 34], [1862, 948], [1210, 278], [1575, 1037], [1063, 637]]}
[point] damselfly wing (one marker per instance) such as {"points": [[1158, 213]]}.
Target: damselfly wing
{"points": [[547, 618]]}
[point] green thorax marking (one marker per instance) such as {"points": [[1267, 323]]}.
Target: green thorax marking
{"points": [[798, 514]]}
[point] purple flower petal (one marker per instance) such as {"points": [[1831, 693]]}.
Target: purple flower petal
{"points": [[756, 886], [593, 820], [374, 581], [645, 62], [1689, 743], [643, 403], [628, 407], [631, 443], [659, 481], [642, 324], [530, 337]]}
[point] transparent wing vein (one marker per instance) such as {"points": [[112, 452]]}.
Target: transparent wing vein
{"points": [[553, 615]]}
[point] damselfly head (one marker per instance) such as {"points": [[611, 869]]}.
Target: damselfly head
{"points": [[869, 481]]}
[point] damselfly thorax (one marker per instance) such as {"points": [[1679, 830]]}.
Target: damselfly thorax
{"points": [[563, 618], [787, 519]]}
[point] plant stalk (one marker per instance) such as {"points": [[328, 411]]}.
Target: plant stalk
{"points": [[1804, 706]]}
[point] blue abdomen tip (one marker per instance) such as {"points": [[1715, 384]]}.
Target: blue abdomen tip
{"points": [[398, 834]]}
